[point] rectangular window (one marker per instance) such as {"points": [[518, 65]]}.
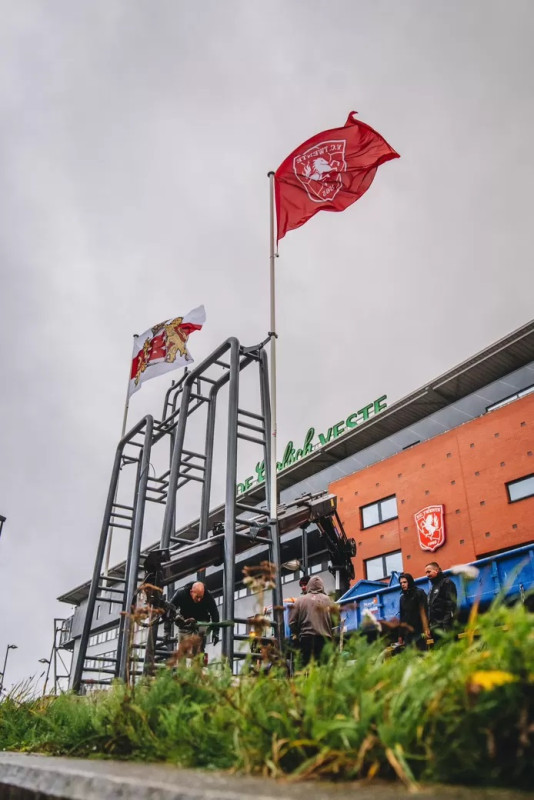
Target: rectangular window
{"points": [[381, 567], [378, 512], [510, 398], [288, 577], [521, 488]]}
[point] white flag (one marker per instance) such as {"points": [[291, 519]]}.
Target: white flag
{"points": [[163, 347]]}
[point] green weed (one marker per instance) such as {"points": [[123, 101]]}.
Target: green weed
{"points": [[463, 713]]}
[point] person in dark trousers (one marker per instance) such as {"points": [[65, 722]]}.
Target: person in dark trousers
{"points": [[442, 600], [413, 611], [310, 620], [194, 603]]}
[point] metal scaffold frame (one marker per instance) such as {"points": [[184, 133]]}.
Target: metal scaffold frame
{"points": [[198, 388], [61, 633]]}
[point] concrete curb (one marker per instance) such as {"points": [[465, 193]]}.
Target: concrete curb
{"points": [[31, 777]]}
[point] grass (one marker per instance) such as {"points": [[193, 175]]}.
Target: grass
{"points": [[463, 713]]}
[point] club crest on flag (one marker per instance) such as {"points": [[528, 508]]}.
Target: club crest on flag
{"points": [[328, 172], [319, 170], [163, 347], [168, 339], [430, 525]]}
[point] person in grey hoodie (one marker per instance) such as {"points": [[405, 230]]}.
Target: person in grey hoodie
{"points": [[310, 620]]}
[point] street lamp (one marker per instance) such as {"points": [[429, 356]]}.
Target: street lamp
{"points": [[8, 648], [45, 661], [2, 520]]}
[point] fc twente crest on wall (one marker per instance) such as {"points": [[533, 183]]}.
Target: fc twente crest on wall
{"points": [[430, 524]]}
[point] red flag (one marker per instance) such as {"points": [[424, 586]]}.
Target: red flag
{"points": [[328, 172]]}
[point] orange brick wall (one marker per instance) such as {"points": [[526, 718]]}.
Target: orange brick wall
{"points": [[464, 469]]}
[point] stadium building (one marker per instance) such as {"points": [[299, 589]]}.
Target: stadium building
{"points": [[446, 474]]}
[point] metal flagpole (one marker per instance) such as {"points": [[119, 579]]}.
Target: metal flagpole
{"points": [[124, 420], [127, 403], [273, 335], [273, 505]]}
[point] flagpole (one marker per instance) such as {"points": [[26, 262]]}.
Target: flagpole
{"points": [[124, 421], [273, 335], [273, 505]]}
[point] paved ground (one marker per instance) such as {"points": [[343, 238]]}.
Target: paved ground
{"points": [[30, 777]]}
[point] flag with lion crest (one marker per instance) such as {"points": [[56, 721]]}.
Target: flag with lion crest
{"points": [[163, 347]]}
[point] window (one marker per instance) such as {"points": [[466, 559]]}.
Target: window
{"points": [[378, 512], [381, 567], [510, 398], [523, 487]]}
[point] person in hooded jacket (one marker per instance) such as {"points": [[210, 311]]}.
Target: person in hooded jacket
{"points": [[413, 611], [310, 620]]}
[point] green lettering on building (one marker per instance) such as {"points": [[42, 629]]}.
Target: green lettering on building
{"points": [[291, 454]]}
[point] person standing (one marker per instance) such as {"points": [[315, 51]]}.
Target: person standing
{"points": [[413, 611], [310, 620], [442, 599], [194, 603]]}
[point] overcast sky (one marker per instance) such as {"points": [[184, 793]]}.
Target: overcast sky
{"points": [[135, 140]]}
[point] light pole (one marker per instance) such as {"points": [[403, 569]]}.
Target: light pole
{"points": [[2, 520], [8, 648], [45, 661]]}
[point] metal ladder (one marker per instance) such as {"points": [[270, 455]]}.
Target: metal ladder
{"points": [[198, 389]]}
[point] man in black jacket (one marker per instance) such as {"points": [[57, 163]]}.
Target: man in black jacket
{"points": [[413, 610], [442, 601], [194, 603]]}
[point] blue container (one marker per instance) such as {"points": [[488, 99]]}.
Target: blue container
{"points": [[509, 575]]}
